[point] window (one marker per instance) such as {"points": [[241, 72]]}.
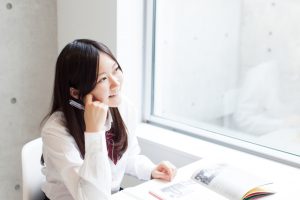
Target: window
{"points": [[231, 68]]}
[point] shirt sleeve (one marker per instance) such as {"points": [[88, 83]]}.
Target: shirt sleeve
{"points": [[88, 178], [138, 165]]}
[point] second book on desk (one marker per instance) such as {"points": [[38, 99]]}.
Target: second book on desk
{"points": [[223, 181]]}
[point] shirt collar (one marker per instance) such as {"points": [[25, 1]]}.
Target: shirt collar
{"points": [[108, 121]]}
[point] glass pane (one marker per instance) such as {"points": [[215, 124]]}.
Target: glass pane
{"points": [[231, 67]]}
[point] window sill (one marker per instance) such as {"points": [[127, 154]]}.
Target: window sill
{"points": [[197, 148]]}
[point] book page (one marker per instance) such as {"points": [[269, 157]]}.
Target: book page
{"points": [[184, 190], [226, 180]]}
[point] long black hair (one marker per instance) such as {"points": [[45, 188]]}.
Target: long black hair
{"points": [[77, 67]]}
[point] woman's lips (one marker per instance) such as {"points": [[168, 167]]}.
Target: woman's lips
{"points": [[113, 95]]}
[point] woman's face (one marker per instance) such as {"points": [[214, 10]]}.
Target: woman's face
{"points": [[109, 82]]}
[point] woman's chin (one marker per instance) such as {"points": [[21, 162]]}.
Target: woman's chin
{"points": [[115, 101]]}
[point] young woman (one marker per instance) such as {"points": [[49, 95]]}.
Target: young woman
{"points": [[88, 136]]}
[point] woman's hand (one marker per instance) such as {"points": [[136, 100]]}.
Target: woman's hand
{"points": [[164, 170], [95, 114]]}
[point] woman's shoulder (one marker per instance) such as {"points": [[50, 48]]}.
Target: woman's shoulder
{"points": [[56, 123], [55, 134], [56, 118]]}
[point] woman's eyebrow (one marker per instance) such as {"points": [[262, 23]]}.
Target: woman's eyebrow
{"points": [[104, 73]]}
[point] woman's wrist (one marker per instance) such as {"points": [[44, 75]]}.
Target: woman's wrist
{"points": [[94, 129]]}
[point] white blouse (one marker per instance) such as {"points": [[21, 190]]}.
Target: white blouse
{"points": [[69, 177]]}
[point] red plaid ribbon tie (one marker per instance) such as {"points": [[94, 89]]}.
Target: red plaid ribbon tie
{"points": [[113, 153]]}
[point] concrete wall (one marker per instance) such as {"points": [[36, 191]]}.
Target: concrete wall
{"points": [[269, 31], [32, 33], [92, 19], [196, 58], [28, 35]]}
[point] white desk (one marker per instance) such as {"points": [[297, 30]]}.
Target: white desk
{"points": [[286, 179], [287, 140]]}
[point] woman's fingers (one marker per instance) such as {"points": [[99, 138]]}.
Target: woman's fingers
{"points": [[165, 170], [168, 167], [161, 175], [95, 114], [88, 99]]}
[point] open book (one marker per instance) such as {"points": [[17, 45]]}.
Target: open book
{"points": [[224, 181]]}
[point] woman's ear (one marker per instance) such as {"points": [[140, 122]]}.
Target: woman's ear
{"points": [[74, 93]]}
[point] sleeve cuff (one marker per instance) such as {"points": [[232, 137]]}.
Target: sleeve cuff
{"points": [[95, 141], [144, 167], [149, 171]]}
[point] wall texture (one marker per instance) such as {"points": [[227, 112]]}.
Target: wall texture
{"points": [[28, 38], [202, 43], [93, 19], [269, 31]]}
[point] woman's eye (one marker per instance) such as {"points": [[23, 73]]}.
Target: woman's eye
{"points": [[118, 68], [102, 80]]}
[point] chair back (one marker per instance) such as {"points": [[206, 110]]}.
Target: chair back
{"points": [[31, 170]]}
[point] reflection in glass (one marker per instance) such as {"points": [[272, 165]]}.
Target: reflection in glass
{"points": [[231, 67]]}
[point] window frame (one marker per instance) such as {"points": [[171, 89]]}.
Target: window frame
{"points": [[179, 128]]}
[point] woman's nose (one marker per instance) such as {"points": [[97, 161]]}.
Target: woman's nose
{"points": [[114, 82]]}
